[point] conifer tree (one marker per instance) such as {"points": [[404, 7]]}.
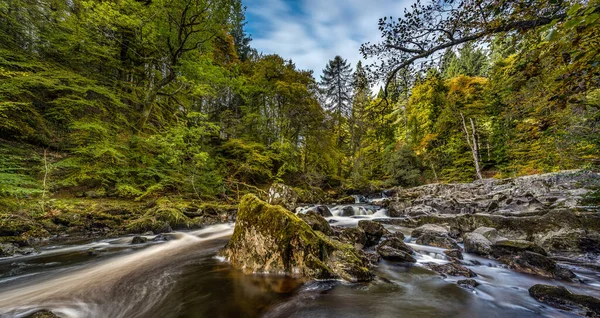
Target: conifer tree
{"points": [[336, 83]]}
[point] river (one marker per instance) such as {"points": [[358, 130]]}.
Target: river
{"points": [[184, 277]]}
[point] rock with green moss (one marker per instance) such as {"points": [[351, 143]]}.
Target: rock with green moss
{"points": [[347, 200], [316, 222], [271, 239], [562, 298], [160, 220], [510, 247], [43, 314], [353, 235]]}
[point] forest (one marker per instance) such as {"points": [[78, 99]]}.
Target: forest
{"points": [[140, 99], [156, 162]]}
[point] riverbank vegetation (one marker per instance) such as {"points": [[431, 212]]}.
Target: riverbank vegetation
{"points": [[138, 100]]}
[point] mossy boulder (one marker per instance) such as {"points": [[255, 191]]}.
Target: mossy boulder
{"points": [[271, 239], [316, 222], [160, 220], [562, 298], [347, 200], [515, 246], [14, 225], [353, 235]]}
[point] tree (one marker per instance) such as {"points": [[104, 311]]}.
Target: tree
{"points": [[471, 61], [429, 28], [241, 38], [360, 101], [336, 83]]}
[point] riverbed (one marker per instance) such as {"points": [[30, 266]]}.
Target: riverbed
{"points": [[184, 277]]}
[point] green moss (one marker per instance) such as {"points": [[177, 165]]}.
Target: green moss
{"points": [[216, 208], [592, 198], [347, 200], [160, 219], [271, 238]]}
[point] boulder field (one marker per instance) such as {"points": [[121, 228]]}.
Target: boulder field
{"points": [[558, 211]]}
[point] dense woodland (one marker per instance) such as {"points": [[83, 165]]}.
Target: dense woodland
{"points": [[137, 99]]}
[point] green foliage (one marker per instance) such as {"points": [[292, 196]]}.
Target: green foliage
{"points": [[403, 167], [19, 169], [130, 102]]}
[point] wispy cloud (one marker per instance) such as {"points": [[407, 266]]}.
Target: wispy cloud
{"points": [[311, 32]]}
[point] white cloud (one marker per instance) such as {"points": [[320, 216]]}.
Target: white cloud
{"points": [[311, 32]]}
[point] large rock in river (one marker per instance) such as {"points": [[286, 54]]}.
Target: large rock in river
{"points": [[373, 230], [395, 250], [316, 222], [434, 235], [527, 257], [476, 243], [271, 239], [562, 298]]}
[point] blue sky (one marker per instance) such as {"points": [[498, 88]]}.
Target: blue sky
{"points": [[311, 32]]}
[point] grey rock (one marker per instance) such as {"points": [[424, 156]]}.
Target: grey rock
{"points": [[395, 250], [454, 253], [471, 283], [451, 269], [347, 211], [477, 244], [434, 235], [139, 240], [562, 298], [7, 249], [283, 195], [373, 231], [489, 233]]}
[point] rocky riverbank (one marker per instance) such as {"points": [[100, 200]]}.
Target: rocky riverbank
{"points": [[24, 226], [538, 225]]}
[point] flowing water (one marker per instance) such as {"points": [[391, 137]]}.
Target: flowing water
{"points": [[184, 277]]}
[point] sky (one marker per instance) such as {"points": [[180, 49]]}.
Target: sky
{"points": [[312, 32]]}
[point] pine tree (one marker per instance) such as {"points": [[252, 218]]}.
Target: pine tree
{"points": [[336, 82], [470, 61], [240, 37], [360, 101]]}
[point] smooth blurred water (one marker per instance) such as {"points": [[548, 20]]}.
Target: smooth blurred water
{"points": [[185, 278]]}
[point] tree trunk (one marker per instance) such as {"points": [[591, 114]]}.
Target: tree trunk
{"points": [[434, 173], [472, 144]]}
